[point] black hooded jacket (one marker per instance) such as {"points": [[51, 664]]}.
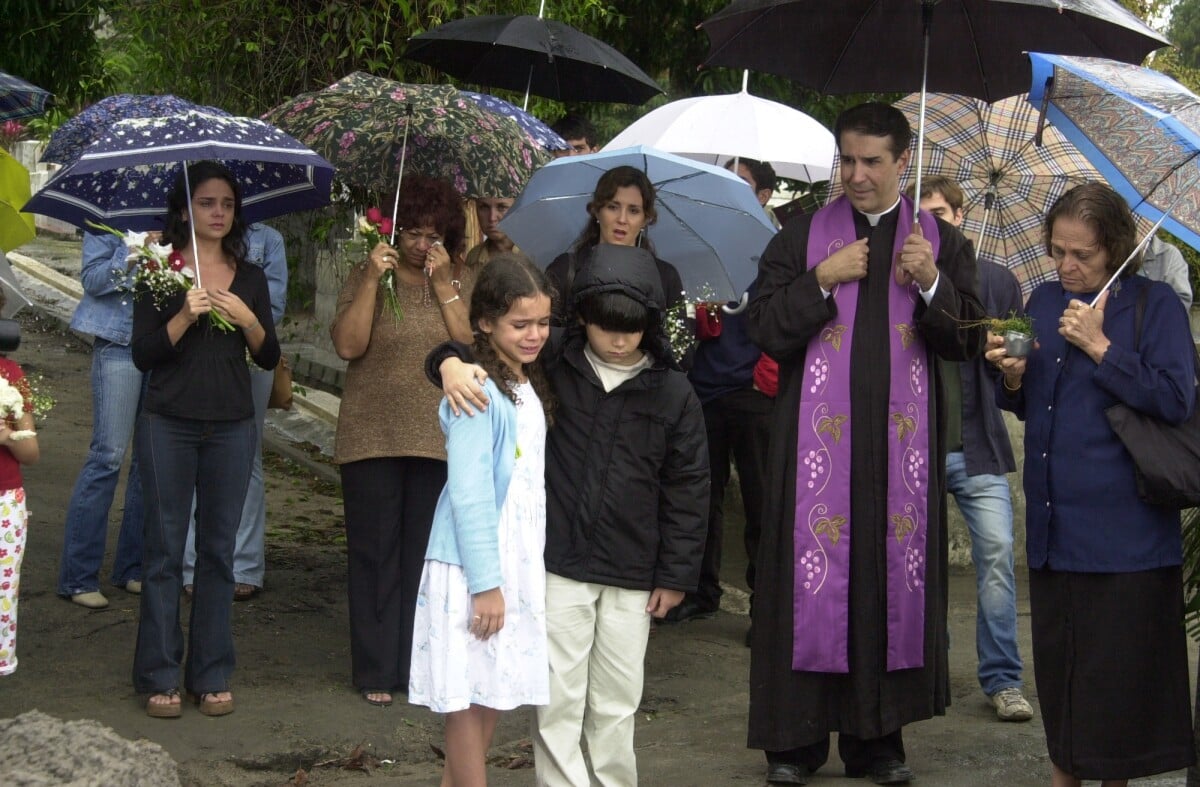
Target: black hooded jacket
{"points": [[626, 470]]}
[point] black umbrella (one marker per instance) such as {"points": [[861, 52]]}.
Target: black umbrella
{"points": [[539, 56], [970, 47]]}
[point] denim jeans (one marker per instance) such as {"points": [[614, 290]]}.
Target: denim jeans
{"points": [[210, 460], [249, 551], [117, 387], [986, 505]]}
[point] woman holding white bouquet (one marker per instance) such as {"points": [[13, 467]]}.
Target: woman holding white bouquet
{"points": [[18, 446], [196, 431]]}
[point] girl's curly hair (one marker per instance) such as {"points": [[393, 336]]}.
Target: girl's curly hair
{"points": [[502, 281]]}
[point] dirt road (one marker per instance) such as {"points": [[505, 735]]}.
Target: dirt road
{"points": [[296, 708]]}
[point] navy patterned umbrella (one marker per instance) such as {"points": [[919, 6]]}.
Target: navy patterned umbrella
{"points": [[19, 99], [71, 138], [542, 135], [123, 179]]}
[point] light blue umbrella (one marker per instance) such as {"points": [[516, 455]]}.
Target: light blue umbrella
{"points": [[1137, 126], [710, 226]]}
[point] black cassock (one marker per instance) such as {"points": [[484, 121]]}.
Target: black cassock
{"points": [[790, 709]]}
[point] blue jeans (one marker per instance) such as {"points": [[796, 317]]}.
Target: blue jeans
{"points": [[986, 505], [183, 458], [249, 556], [117, 387]]}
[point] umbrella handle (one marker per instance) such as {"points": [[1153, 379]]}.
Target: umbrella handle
{"points": [[741, 307], [408, 113], [1041, 126]]}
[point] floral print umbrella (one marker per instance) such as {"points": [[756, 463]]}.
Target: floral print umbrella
{"points": [[123, 178], [68, 140], [358, 124], [543, 136]]}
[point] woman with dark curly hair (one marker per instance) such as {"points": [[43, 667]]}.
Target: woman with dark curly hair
{"points": [[196, 431], [389, 445]]}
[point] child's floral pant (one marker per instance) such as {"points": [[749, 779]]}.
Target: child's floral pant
{"points": [[13, 521]]}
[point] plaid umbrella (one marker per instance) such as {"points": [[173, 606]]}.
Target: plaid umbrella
{"points": [[1008, 181], [359, 124], [123, 178], [19, 99], [542, 135], [68, 140]]}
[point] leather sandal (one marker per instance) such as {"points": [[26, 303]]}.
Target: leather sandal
{"points": [[366, 695], [243, 591], [164, 710], [210, 706]]}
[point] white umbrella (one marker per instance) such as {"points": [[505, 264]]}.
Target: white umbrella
{"points": [[713, 129]]}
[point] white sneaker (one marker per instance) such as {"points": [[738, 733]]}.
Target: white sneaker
{"points": [[92, 600], [133, 586], [1011, 705]]}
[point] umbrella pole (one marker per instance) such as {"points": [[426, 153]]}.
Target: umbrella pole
{"points": [[989, 202], [187, 191], [926, 25], [529, 81], [1145, 241], [408, 111]]}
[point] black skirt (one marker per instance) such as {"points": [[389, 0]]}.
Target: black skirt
{"points": [[1110, 659]]}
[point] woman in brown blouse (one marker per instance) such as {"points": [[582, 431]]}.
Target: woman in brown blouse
{"points": [[389, 445]]}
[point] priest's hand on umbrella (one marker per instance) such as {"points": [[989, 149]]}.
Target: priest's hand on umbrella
{"points": [[382, 259], [916, 262], [848, 263]]}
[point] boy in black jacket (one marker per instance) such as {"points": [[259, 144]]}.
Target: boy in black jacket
{"points": [[627, 492]]}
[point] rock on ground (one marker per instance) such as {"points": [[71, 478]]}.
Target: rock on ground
{"points": [[37, 750]]}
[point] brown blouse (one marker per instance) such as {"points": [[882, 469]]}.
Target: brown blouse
{"points": [[388, 408]]}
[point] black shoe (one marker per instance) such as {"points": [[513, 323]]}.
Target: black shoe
{"points": [[749, 634], [884, 772], [786, 773], [689, 609]]}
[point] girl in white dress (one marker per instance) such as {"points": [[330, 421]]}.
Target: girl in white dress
{"points": [[479, 643]]}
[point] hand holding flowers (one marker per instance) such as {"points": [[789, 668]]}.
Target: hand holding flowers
{"points": [[158, 269], [376, 230], [17, 399]]}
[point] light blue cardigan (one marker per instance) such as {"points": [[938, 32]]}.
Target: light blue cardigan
{"points": [[465, 528]]}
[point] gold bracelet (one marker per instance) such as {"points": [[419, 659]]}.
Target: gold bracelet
{"points": [[1008, 387], [452, 300]]}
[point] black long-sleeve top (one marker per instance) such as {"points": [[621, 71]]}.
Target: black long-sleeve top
{"points": [[203, 377]]}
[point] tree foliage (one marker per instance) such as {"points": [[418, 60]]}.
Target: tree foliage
{"points": [[53, 44]]}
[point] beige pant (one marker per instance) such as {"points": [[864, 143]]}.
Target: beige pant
{"points": [[597, 638]]}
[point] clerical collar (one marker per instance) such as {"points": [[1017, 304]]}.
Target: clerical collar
{"points": [[873, 218]]}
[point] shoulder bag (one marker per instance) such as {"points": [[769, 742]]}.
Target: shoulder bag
{"points": [[281, 386], [1166, 457]]}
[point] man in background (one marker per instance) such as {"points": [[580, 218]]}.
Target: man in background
{"points": [[579, 133]]}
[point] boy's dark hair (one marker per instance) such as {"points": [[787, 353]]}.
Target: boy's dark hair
{"points": [[761, 172], [506, 278], [876, 120], [616, 311], [574, 126], [177, 232]]}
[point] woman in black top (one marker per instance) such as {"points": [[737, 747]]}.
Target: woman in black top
{"points": [[196, 432]]}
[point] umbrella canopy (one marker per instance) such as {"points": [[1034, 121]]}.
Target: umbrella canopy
{"points": [[709, 224], [534, 55], [16, 228], [855, 46], [68, 140], [542, 135], [359, 123], [1138, 126], [15, 298], [715, 128], [1008, 181], [19, 99], [123, 178]]}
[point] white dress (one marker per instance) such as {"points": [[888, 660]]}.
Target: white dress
{"points": [[452, 669]]}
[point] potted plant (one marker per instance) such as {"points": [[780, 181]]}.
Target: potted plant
{"points": [[1017, 331]]}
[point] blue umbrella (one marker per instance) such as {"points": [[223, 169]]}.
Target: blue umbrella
{"points": [[1138, 126], [710, 226], [19, 99], [69, 140], [542, 135], [123, 179]]}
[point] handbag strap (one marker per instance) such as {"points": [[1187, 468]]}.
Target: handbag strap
{"points": [[1139, 311]]}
